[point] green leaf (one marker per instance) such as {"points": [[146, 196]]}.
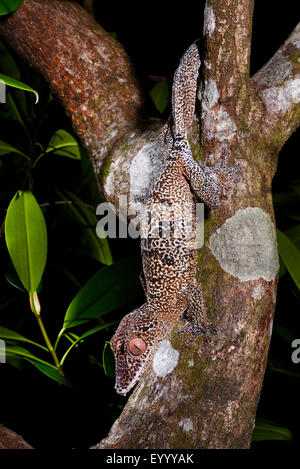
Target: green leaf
{"points": [[279, 369], [68, 274], [113, 34], [15, 113], [6, 148], [287, 204], [95, 329], [12, 277], [295, 188], [285, 198], [110, 288], [282, 269], [9, 67], [7, 63], [8, 6], [8, 334], [290, 255], [18, 84], [265, 430], [64, 144], [159, 95], [15, 362], [97, 248], [50, 371], [18, 351], [285, 333], [26, 239], [293, 215], [108, 360], [294, 235]]}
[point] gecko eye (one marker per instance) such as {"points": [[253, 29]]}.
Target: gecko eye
{"points": [[137, 346]]}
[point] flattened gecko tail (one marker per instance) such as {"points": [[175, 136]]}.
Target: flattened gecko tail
{"points": [[184, 90]]}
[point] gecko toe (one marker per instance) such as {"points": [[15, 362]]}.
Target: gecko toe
{"points": [[205, 330]]}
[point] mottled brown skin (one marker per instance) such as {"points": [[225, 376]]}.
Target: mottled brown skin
{"points": [[167, 246], [169, 263]]}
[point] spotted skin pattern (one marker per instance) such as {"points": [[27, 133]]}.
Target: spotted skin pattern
{"points": [[168, 238]]}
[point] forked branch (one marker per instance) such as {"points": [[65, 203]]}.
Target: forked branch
{"points": [[278, 85]]}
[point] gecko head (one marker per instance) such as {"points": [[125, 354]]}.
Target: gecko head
{"points": [[133, 344]]}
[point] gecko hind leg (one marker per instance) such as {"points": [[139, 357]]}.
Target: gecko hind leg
{"points": [[195, 315]]}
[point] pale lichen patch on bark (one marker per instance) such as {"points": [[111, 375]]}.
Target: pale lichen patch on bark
{"points": [[132, 168], [210, 95], [209, 20], [208, 66], [278, 99], [144, 169], [110, 182], [138, 393], [186, 424], [218, 125], [165, 359], [258, 291], [271, 327], [245, 245], [230, 411]]}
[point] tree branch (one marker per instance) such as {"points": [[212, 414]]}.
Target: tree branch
{"points": [[86, 68], [277, 84], [226, 82], [207, 395], [89, 6], [11, 440]]}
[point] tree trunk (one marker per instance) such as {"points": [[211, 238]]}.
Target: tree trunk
{"points": [[194, 395]]}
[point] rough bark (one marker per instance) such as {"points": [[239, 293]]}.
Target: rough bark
{"points": [[86, 68], [278, 86], [194, 396], [209, 399], [11, 440]]}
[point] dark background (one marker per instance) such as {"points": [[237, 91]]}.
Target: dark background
{"points": [[47, 414]]}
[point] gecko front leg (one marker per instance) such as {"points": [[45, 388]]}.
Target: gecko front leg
{"points": [[210, 184], [196, 317]]}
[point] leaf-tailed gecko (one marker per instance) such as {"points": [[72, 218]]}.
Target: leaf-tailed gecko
{"points": [[169, 256]]}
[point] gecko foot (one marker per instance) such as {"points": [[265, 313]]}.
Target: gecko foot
{"points": [[195, 315], [205, 330]]}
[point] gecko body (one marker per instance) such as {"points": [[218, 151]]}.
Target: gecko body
{"points": [[168, 242]]}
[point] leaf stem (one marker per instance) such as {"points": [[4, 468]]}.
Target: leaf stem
{"points": [[70, 339], [69, 350], [58, 338], [35, 307]]}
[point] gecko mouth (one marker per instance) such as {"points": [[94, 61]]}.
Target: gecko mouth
{"points": [[126, 375], [123, 388], [120, 390]]}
